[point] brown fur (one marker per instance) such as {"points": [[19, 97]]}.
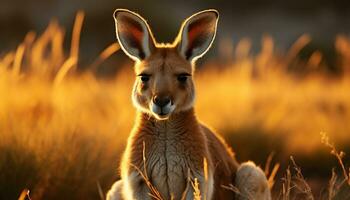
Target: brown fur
{"points": [[180, 141], [167, 151]]}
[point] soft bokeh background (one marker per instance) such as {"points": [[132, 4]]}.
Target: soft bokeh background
{"points": [[277, 76]]}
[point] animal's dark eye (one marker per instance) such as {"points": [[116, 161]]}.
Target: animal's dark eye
{"points": [[144, 77], [182, 78]]}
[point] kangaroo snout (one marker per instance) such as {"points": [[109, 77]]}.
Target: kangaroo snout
{"points": [[161, 101], [162, 106]]}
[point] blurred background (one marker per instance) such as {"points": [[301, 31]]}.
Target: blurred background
{"points": [[284, 21], [280, 70]]}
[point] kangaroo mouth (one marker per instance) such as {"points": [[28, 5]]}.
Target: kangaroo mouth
{"points": [[162, 113]]}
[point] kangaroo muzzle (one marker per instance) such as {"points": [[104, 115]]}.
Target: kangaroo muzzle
{"points": [[162, 107]]}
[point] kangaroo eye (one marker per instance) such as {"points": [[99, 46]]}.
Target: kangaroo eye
{"points": [[144, 77], [182, 78]]}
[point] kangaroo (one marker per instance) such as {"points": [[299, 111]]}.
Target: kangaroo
{"points": [[169, 150]]}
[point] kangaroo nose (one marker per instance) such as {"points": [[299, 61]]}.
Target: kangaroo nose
{"points": [[161, 101]]}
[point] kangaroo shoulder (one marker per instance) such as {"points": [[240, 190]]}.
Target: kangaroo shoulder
{"points": [[218, 148]]}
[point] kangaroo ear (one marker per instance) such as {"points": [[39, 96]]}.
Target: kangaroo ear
{"points": [[197, 34], [134, 34]]}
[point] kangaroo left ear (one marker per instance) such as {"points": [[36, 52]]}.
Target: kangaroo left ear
{"points": [[134, 34], [197, 34]]}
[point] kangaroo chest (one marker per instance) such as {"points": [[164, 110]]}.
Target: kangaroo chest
{"points": [[172, 156], [169, 162], [169, 152]]}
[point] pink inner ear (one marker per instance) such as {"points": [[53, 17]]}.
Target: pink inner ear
{"points": [[194, 33], [196, 30], [135, 32]]}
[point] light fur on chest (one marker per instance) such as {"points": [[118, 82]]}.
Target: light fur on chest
{"points": [[168, 166], [172, 158]]}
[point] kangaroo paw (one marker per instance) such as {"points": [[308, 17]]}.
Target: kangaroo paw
{"points": [[115, 193], [252, 183]]}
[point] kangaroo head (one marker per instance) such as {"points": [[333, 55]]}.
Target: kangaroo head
{"points": [[164, 83]]}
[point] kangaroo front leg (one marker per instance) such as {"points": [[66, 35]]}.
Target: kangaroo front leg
{"points": [[252, 183], [136, 188]]}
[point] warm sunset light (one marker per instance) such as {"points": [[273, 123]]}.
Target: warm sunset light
{"points": [[65, 116]]}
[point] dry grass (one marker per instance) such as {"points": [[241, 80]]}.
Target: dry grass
{"points": [[62, 131], [295, 186]]}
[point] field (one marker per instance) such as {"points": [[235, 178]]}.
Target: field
{"points": [[62, 130]]}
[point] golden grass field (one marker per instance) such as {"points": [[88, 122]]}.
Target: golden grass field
{"points": [[62, 130]]}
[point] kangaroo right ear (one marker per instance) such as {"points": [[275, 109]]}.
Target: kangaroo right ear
{"points": [[197, 34], [134, 34]]}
